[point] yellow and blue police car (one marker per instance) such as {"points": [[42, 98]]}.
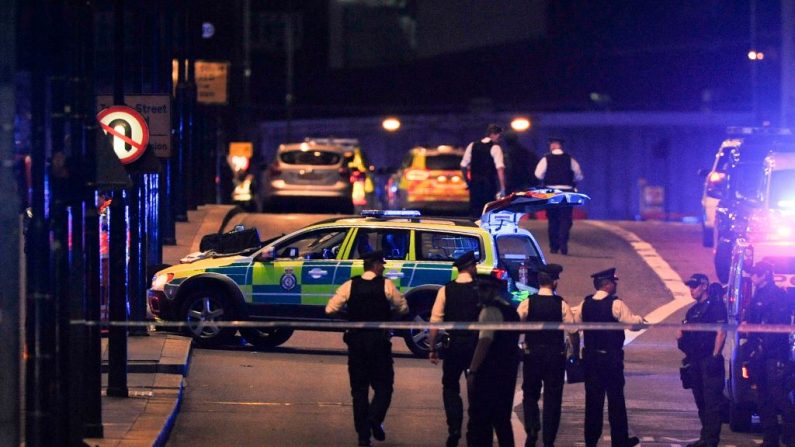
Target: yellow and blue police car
{"points": [[293, 277]]}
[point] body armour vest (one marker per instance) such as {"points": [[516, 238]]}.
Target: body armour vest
{"points": [[482, 164], [559, 170], [505, 345], [544, 308], [461, 304], [367, 301], [601, 311]]}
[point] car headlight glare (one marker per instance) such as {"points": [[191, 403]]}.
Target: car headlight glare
{"points": [[160, 280]]}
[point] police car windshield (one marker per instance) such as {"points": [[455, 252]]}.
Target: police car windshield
{"points": [[782, 189], [443, 162], [746, 180]]}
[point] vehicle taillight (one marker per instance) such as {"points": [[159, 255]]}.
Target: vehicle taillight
{"points": [[499, 273], [416, 175]]}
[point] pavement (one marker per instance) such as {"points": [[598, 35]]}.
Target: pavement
{"points": [[156, 363]]}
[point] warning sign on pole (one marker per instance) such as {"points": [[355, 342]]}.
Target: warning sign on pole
{"points": [[129, 131], [212, 79], [156, 110]]}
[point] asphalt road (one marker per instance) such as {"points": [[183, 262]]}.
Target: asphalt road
{"points": [[298, 395]]}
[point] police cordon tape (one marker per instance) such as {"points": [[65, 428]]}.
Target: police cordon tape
{"points": [[474, 326]]}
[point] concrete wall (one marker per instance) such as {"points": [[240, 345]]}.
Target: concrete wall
{"points": [[615, 149]]}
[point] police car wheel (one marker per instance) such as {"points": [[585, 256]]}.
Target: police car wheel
{"points": [[266, 338], [201, 311], [417, 339], [723, 257], [707, 235]]}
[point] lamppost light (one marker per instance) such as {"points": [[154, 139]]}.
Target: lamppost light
{"points": [[520, 124], [755, 55], [391, 124]]}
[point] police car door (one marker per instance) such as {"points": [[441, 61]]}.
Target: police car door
{"points": [[436, 251], [298, 281], [394, 242]]}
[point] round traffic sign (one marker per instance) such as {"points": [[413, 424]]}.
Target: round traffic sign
{"points": [[129, 131]]}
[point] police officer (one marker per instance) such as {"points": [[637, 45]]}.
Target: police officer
{"points": [[491, 377], [483, 165], [559, 170], [456, 301], [703, 355], [771, 354], [603, 361], [369, 297], [544, 362]]}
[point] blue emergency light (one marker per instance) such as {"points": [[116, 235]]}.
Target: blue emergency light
{"points": [[391, 213]]}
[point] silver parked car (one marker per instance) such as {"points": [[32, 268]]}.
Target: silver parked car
{"points": [[318, 169]]}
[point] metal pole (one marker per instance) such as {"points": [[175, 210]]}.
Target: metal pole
{"points": [[91, 371], [787, 112], [40, 313], [177, 173], [290, 49], [117, 336], [9, 239], [754, 98]]}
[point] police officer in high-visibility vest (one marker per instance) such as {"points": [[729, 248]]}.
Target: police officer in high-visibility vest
{"points": [[483, 167], [544, 361], [456, 301], [603, 361], [559, 170], [369, 297]]}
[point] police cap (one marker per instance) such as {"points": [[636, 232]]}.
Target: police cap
{"points": [[553, 270], [374, 256], [697, 279], [465, 260]]}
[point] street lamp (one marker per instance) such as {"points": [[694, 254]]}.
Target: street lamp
{"points": [[391, 124], [520, 124]]}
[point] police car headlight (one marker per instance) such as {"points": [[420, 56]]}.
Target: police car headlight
{"points": [[160, 280]]}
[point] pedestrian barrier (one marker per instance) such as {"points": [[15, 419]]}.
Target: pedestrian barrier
{"points": [[405, 325]]}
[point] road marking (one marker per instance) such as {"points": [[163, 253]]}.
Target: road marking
{"points": [[672, 281]]}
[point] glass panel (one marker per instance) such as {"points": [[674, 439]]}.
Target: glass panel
{"points": [[447, 162], [782, 189], [445, 246], [394, 243], [317, 158], [322, 244]]}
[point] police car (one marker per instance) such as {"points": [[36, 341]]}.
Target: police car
{"points": [[293, 277]]}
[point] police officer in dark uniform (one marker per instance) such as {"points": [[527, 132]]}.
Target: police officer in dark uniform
{"points": [[603, 361], [491, 377], [456, 301], [704, 358], [483, 165], [559, 170], [771, 357], [544, 362], [369, 297]]}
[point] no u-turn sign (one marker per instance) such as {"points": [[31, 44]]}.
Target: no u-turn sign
{"points": [[129, 131]]}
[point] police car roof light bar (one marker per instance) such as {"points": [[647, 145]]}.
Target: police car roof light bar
{"points": [[391, 213]]}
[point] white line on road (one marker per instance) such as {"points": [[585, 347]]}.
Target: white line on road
{"points": [[672, 281]]}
